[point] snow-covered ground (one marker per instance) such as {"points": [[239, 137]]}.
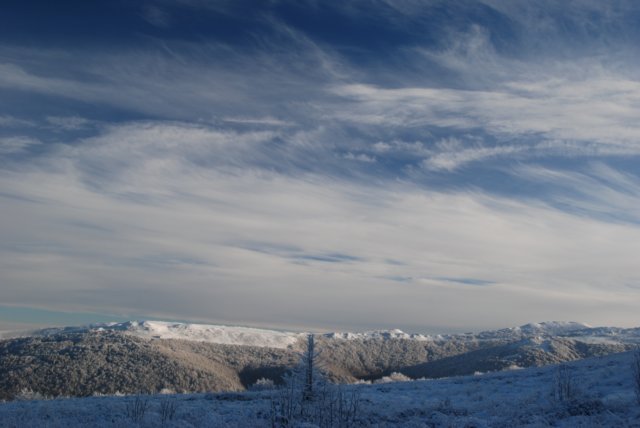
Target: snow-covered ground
{"points": [[603, 396]]}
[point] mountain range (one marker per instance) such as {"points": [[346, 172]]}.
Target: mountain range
{"points": [[154, 356]]}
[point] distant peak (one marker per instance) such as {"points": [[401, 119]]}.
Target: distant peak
{"points": [[555, 326], [376, 334], [221, 334]]}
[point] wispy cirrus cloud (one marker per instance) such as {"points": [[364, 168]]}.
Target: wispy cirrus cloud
{"points": [[8, 121], [168, 214], [434, 157], [599, 191], [68, 123], [599, 109], [18, 144]]}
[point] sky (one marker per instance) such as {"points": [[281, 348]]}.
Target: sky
{"points": [[425, 165]]}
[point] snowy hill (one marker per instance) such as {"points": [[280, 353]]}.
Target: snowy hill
{"points": [[226, 335], [602, 395], [247, 336], [543, 329], [148, 356]]}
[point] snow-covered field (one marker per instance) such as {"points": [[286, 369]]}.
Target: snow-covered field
{"points": [[602, 396]]}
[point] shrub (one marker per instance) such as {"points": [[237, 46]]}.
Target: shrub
{"points": [[585, 407], [136, 409], [564, 389], [168, 407], [263, 384], [393, 377], [27, 394]]}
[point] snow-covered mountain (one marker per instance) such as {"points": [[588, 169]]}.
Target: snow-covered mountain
{"points": [[226, 335], [220, 334], [152, 355], [248, 336]]}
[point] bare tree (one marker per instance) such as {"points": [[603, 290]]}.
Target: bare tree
{"points": [[564, 385], [137, 408], [307, 397], [168, 407], [310, 364], [635, 366]]}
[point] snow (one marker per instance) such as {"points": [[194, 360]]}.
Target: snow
{"points": [[604, 391], [227, 335], [232, 335], [603, 397], [555, 327], [377, 334], [536, 331], [543, 329]]}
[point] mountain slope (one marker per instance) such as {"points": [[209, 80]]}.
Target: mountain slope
{"points": [[106, 363], [151, 356], [520, 354]]}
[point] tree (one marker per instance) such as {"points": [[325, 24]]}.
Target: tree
{"points": [[309, 362], [564, 386], [307, 397]]}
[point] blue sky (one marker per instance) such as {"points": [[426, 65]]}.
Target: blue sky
{"points": [[300, 164]]}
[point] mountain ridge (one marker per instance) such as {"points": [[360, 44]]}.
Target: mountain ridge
{"points": [[150, 356], [252, 336]]}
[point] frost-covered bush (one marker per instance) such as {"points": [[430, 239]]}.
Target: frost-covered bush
{"points": [[263, 384], [585, 407], [393, 377], [27, 394], [572, 400]]}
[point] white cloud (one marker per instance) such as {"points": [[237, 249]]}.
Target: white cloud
{"points": [[163, 221], [598, 109], [181, 80], [251, 218], [11, 145], [452, 157], [9, 121], [267, 120], [360, 157], [599, 191], [68, 123]]}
